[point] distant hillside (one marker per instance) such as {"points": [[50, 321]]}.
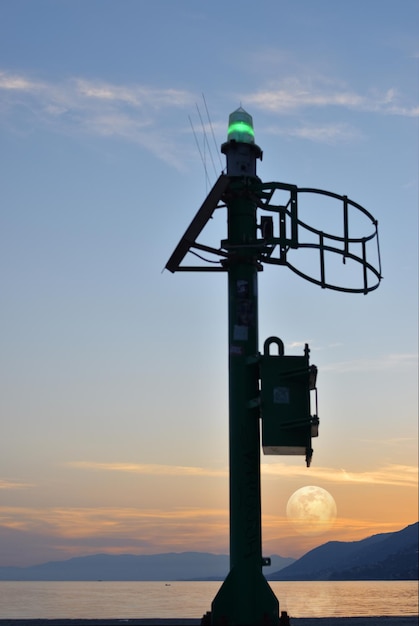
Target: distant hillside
{"points": [[171, 566], [388, 556]]}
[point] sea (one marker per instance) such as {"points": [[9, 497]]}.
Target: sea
{"points": [[172, 599]]}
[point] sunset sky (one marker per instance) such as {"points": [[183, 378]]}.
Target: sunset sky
{"points": [[114, 407]]}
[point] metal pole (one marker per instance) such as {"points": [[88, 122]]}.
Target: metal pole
{"points": [[245, 506], [245, 596]]}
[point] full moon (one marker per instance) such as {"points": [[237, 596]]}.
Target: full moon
{"points": [[312, 510]]}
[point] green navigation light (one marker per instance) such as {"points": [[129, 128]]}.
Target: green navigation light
{"points": [[240, 127]]}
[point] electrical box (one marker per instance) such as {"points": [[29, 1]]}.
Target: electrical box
{"points": [[286, 385]]}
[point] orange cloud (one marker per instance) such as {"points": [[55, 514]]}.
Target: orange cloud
{"points": [[397, 475], [192, 529], [87, 530], [10, 484], [150, 469]]}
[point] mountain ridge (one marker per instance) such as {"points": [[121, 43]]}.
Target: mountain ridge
{"points": [[126, 567], [385, 556]]}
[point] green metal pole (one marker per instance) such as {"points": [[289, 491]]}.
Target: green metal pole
{"points": [[245, 596], [245, 522]]}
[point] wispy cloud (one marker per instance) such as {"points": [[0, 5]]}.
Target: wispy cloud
{"points": [[137, 113], [392, 475], [324, 133], [294, 94], [150, 469], [398, 475], [136, 95], [11, 484], [65, 532], [73, 530], [386, 362], [299, 344], [15, 82]]}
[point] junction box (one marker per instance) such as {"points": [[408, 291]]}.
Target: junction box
{"points": [[286, 386]]}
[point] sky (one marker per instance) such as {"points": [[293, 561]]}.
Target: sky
{"points": [[114, 392]]}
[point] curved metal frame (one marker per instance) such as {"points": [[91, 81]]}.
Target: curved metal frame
{"points": [[265, 192]]}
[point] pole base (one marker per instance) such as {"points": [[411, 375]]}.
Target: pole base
{"points": [[245, 599]]}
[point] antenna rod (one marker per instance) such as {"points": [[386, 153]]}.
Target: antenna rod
{"points": [[200, 153]]}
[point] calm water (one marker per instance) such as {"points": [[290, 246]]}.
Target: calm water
{"points": [[126, 600]]}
